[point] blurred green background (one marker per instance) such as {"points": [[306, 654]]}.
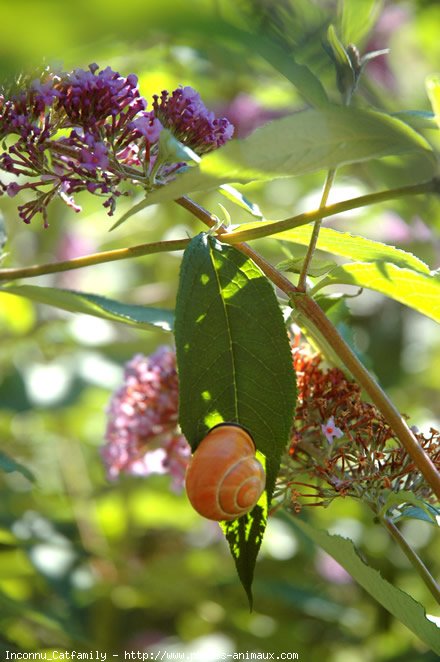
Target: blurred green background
{"points": [[88, 565]]}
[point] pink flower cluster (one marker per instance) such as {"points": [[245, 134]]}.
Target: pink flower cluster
{"points": [[142, 436]]}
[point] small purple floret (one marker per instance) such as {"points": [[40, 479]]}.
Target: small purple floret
{"points": [[185, 114]]}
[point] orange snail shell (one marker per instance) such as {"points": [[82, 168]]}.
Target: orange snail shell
{"points": [[224, 480]]}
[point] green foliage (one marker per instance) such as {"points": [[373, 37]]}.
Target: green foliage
{"points": [[357, 17], [86, 564], [235, 366], [433, 89], [308, 85], [400, 502], [240, 200], [8, 464], [304, 142], [345, 74], [92, 304], [398, 603], [3, 235], [414, 289], [353, 247]]}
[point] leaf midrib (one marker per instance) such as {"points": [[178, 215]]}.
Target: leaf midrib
{"points": [[228, 326]]}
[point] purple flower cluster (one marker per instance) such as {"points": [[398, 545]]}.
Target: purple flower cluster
{"points": [[186, 115], [142, 436], [88, 130]]}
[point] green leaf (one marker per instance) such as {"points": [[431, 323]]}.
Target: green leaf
{"points": [[433, 89], [304, 142], [305, 81], [416, 290], [3, 235], [241, 200], [428, 513], [244, 536], [9, 465], [399, 604], [418, 119], [235, 365], [396, 500], [345, 75], [92, 304], [352, 246], [318, 266], [357, 18]]}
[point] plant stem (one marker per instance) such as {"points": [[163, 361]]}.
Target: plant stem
{"points": [[262, 230], [413, 557], [317, 226], [312, 312], [92, 259]]}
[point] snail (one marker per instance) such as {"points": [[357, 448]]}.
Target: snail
{"points": [[224, 480]]}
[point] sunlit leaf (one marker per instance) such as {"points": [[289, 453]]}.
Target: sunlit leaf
{"points": [[416, 290], [418, 119], [300, 143], [352, 246], [241, 200], [433, 89], [92, 304], [357, 18]]}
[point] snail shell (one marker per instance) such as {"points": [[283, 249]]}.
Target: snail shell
{"points": [[224, 480]]}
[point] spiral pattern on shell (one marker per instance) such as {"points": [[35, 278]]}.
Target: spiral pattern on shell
{"points": [[224, 480]]}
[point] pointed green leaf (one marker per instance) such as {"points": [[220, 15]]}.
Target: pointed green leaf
{"points": [[433, 89], [276, 32], [93, 304], [305, 81], [304, 142], [357, 18], [9, 465], [244, 536], [428, 513], [416, 290], [418, 119], [135, 209], [345, 75], [399, 604], [241, 200], [235, 365], [352, 246], [396, 500]]}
